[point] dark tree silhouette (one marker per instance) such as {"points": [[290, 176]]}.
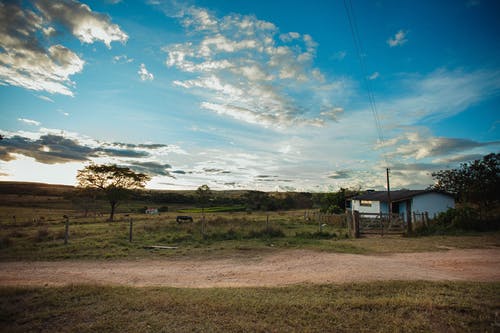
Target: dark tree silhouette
{"points": [[116, 183], [477, 182]]}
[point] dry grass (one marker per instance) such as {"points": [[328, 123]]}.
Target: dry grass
{"points": [[364, 307]]}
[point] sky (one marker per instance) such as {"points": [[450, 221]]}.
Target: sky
{"points": [[263, 95]]}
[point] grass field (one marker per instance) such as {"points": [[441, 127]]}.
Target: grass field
{"points": [[363, 307], [32, 228], [94, 238]]}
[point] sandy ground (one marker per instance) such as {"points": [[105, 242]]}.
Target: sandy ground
{"points": [[275, 269]]}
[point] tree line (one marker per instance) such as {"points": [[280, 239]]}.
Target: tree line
{"points": [[476, 183]]}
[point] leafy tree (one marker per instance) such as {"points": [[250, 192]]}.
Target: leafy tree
{"points": [[83, 198], [204, 194], [476, 182], [116, 183]]}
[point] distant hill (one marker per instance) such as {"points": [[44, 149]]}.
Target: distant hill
{"points": [[28, 188]]}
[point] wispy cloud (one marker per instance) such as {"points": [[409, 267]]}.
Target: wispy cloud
{"points": [[29, 121], [340, 55], [122, 59], [374, 76], [246, 70], [26, 60], [398, 39], [45, 98], [144, 74], [416, 145], [437, 95]]}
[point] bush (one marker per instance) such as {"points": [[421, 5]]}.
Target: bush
{"points": [[456, 220]]}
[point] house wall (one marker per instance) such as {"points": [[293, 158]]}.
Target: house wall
{"points": [[374, 208], [433, 203]]}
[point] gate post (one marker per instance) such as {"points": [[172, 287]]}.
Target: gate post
{"points": [[409, 224], [356, 224]]}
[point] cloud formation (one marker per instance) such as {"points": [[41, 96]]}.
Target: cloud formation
{"points": [[246, 70], [437, 95], [49, 148], [144, 74], [398, 39], [84, 24], [29, 61], [29, 121], [415, 145]]}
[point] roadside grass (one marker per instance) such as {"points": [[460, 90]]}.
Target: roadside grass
{"points": [[362, 307]]}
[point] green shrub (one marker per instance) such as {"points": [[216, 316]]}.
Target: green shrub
{"points": [[456, 220]]}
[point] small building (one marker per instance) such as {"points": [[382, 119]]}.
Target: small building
{"points": [[151, 211], [404, 202]]}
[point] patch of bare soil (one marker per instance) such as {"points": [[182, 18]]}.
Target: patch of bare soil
{"points": [[276, 269]]}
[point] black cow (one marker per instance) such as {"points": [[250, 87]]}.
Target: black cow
{"points": [[183, 218]]}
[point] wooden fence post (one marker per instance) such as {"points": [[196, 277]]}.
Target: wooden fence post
{"points": [[130, 230], [66, 229], [410, 225], [356, 224]]}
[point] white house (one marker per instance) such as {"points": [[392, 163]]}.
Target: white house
{"points": [[404, 202], [151, 211]]}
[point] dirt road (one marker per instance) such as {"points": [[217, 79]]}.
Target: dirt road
{"points": [[275, 269]]}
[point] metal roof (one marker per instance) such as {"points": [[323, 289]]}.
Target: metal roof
{"points": [[399, 195]]}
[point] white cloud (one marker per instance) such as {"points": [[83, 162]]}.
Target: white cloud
{"points": [[398, 39], [45, 98], [28, 62], [144, 74], [66, 114], [244, 70], [84, 24], [29, 121], [340, 55], [122, 59], [374, 76]]}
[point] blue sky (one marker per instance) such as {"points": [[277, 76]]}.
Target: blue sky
{"points": [[266, 95]]}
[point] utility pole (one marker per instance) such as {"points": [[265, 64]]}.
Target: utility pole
{"points": [[389, 202]]}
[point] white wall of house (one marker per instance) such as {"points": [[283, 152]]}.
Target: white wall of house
{"points": [[374, 208], [433, 203]]}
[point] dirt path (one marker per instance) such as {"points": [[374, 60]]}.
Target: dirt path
{"points": [[275, 269]]}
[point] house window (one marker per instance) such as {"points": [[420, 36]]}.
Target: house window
{"points": [[366, 203]]}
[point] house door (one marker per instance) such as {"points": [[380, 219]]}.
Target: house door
{"points": [[395, 207]]}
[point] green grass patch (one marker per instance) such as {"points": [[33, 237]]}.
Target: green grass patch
{"points": [[362, 307], [224, 209]]}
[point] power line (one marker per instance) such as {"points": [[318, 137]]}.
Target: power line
{"points": [[360, 51]]}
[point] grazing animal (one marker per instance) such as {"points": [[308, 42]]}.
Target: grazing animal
{"points": [[183, 218]]}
